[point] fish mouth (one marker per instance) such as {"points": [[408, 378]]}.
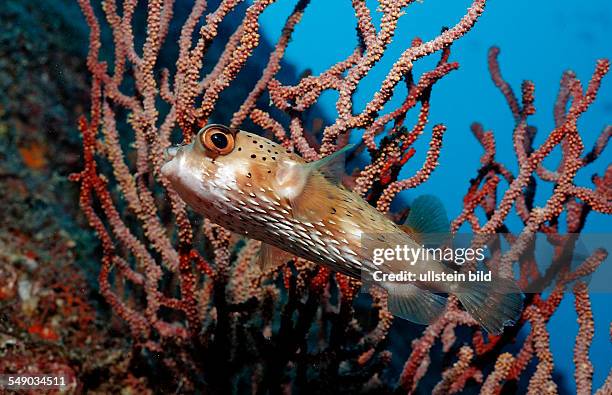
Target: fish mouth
{"points": [[171, 152], [174, 151], [171, 157]]}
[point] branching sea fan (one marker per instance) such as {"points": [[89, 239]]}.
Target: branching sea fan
{"points": [[202, 315]]}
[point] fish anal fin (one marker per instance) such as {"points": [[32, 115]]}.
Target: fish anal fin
{"points": [[271, 257], [414, 304]]}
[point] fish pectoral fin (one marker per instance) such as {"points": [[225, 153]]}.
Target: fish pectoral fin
{"points": [[427, 219], [292, 176], [332, 166], [271, 257], [414, 304], [301, 182]]}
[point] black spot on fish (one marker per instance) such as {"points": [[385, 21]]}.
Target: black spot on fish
{"points": [[276, 152], [269, 171], [260, 146], [273, 158], [263, 158], [254, 141], [253, 156], [239, 148], [333, 210], [249, 175]]}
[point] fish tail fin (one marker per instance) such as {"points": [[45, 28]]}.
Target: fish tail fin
{"points": [[414, 304], [494, 304]]}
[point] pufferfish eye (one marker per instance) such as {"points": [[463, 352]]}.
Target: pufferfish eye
{"points": [[217, 139]]}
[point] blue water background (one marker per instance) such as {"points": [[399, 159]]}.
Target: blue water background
{"points": [[539, 40]]}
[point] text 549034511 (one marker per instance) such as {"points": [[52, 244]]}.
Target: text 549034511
{"points": [[32, 381]]}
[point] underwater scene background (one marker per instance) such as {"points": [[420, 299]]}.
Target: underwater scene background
{"points": [[107, 278]]}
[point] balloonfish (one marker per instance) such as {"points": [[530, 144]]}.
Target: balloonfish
{"points": [[257, 188]]}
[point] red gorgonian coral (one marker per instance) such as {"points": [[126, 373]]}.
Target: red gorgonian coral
{"points": [[191, 293]]}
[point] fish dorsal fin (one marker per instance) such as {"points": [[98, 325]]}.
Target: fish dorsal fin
{"points": [[427, 219], [298, 182], [271, 257]]}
